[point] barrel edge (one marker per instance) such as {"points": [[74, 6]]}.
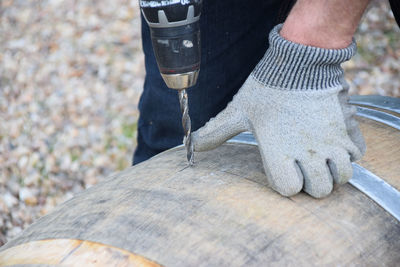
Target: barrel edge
{"points": [[67, 252]]}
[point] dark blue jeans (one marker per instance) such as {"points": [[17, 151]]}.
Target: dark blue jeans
{"points": [[234, 36]]}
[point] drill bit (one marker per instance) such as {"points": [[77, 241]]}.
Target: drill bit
{"points": [[187, 126]]}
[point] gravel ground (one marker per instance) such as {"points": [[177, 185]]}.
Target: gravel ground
{"points": [[376, 67], [71, 73]]}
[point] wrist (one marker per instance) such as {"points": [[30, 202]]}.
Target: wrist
{"points": [[316, 35], [328, 24]]}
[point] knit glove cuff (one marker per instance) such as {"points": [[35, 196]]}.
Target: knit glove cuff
{"points": [[290, 66]]}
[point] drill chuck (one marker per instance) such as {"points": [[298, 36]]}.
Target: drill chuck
{"points": [[175, 34]]}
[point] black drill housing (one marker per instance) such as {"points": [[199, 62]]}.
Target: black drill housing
{"points": [[175, 33]]}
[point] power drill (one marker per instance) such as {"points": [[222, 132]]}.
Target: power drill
{"points": [[175, 35]]}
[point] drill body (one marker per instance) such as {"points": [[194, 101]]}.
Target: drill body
{"points": [[175, 35]]}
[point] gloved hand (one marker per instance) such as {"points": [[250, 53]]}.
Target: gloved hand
{"points": [[295, 104]]}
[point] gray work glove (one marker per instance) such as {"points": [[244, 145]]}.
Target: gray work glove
{"points": [[295, 104]]}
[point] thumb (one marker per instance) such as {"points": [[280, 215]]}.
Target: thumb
{"points": [[222, 127]]}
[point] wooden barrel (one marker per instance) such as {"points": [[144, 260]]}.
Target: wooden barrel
{"points": [[220, 213]]}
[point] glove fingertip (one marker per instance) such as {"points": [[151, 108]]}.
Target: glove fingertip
{"points": [[201, 143], [209, 137], [217, 130], [284, 176]]}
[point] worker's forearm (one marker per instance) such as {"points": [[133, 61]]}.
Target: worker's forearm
{"points": [[324, 23]]}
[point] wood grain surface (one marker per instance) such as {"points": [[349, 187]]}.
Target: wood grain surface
{"points": [[221, 213], [383, 151], [70, 252]]}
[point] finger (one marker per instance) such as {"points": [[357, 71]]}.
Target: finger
{"points": [[353, 149], [224, 126], [353, 130], [283, 175], [318, 181], [340, 167], [359, 148]]}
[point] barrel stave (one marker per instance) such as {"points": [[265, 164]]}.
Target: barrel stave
{"points": [[221, 213]]}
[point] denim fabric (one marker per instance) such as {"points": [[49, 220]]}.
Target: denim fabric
{"points": [[234, 36]]}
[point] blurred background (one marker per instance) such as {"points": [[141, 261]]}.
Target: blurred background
{"points": [[71, 74]]}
